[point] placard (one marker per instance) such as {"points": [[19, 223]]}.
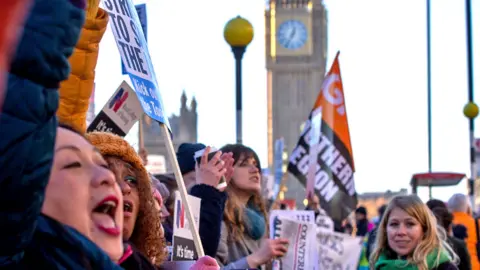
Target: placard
{"points": [[132, 45]]}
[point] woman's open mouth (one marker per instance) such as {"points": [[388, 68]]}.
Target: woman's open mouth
{"points": [[127, 208], [255, 179], [104, 216]]}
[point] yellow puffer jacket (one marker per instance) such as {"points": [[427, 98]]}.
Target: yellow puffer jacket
{"points": [[75, 92], [469, 222]]}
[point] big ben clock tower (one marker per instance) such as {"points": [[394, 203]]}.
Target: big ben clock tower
{"points": [[296, 51]]}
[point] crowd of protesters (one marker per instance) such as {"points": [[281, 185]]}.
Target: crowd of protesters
{"points": [[72, 199]]}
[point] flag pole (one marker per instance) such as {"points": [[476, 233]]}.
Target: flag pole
{"points": [[141, 143], [429, 97]]}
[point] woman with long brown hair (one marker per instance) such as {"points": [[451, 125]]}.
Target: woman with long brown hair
{"points": [[243, 242], [408, 238]]}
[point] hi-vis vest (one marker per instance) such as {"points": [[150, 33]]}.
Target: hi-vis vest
{"points": [[363, 263]]}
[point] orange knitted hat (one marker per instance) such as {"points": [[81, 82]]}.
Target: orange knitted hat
{"points": [[110, 144]]}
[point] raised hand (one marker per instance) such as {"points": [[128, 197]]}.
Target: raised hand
{"points": [[209, 172], [228, 166]]}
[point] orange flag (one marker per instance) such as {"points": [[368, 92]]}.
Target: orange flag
{"points": [[323, 157]]}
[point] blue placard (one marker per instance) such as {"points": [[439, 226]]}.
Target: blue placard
{"points": [[132, 45], [278, 165], [142, 15]]}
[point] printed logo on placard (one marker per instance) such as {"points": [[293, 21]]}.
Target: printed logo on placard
{"points": [[118, 100], [180, 215]]}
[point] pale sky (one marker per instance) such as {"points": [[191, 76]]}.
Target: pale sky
{"points": [[383, 64]]}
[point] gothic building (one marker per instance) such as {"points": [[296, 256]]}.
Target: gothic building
{"points": [[184, 129]]}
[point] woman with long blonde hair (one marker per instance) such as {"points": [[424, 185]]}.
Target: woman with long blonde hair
{"points": [[409, 238]]}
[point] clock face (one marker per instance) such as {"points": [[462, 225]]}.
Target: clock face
{"points": [[292, 34]]}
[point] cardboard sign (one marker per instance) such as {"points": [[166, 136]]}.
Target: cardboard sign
{"points": [[142, 15], [183, 245], [131, 43], [120, 113], [156, 164]]}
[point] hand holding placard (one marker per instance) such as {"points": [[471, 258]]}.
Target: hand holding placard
{"points": [[269, 249]]}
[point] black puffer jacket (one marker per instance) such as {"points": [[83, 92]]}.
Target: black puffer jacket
{"points": [[446, 266], [133, 259]]}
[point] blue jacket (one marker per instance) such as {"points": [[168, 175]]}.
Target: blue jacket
{"points": [[28, 239]]}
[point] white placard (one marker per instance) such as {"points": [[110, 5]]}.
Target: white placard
{"points": [[338, 251]]}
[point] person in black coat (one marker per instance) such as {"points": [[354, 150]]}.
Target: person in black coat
{"points": [[372, 236], [444, 219], [201, 181], [459, 231], [361, 220], [455, 234], [45, 196]]}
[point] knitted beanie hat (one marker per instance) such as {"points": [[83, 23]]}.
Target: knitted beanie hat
{"points": [[185, 156]]}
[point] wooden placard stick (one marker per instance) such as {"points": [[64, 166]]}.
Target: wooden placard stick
{"points": [[181, 188]]}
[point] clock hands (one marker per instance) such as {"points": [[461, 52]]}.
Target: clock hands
{"points": [[292, 34], [290, 37]]}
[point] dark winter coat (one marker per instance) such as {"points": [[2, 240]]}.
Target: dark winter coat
{"points": [[28, 239]]}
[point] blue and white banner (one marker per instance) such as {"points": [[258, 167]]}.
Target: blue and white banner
{"points": [[278, 165], [131, 43], [142, 15]]}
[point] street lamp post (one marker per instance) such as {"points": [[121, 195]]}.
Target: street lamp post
{"points": [[471, 112], [471, 109], [429, 96], [238, 33]]}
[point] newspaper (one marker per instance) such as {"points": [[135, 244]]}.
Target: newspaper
{"points": [[324, 222], [298, 256], [338, 251]]}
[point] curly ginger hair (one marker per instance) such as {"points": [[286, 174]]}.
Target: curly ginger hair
{"points": [[147, 235]]}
